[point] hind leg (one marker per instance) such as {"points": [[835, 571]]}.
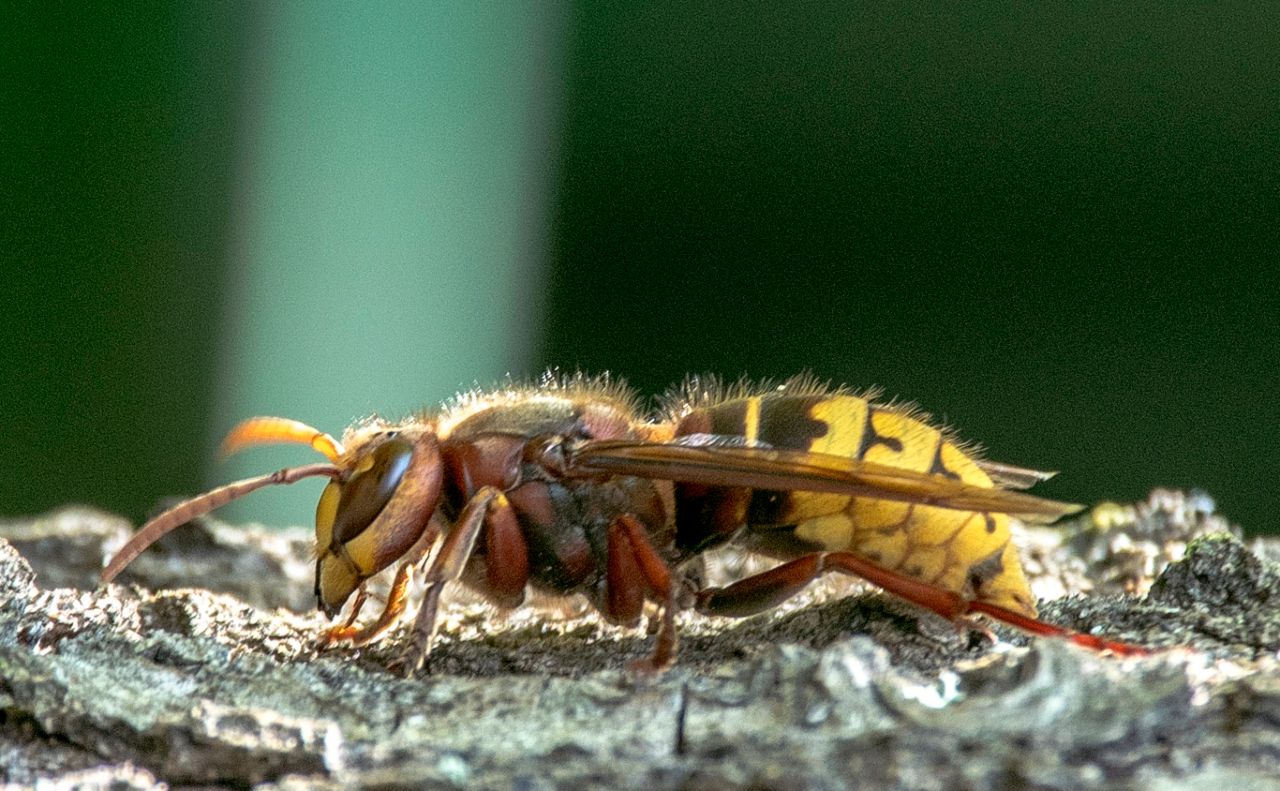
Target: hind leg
{"points": [[768, 589]]}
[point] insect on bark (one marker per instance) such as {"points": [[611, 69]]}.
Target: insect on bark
{"points": [[568, 487]]}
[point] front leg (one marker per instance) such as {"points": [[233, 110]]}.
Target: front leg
{"points": [[362, 595], [396, 601], [488, 509], [397, 597]]}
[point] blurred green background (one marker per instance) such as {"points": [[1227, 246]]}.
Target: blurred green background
{"points": [[1056, 228]]}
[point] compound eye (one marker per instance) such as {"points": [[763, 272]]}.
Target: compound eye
{"points": [[369, 489]]}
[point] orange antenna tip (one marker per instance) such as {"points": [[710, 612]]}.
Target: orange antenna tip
{"points": [[264, 430]]}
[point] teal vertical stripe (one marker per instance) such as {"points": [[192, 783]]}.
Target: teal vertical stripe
{"points": [[393, 206]]}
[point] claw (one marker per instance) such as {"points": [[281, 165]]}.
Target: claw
{"points": [[970, 626], [649, 666], [410, 662], [341, 633]]}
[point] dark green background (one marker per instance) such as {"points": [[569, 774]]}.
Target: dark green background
{"points": [[1055, 228]]}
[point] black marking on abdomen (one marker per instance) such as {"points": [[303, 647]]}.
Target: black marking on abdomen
{"points": [[872, 437], [985, 570], [939, 468], [784, 422], [729, 419], [787, 422]]}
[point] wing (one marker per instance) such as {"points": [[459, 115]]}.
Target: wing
{"points": [[1011, 477], [732, 465]]}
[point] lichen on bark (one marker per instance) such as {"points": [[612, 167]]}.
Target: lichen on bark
{"points": [[129, 686]]}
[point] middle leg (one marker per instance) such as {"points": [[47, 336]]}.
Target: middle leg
{"points": [[635, 568]]}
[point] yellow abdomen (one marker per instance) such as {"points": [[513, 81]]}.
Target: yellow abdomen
{"points": [[966, 552]]}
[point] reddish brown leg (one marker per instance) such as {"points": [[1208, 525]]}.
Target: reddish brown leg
{"points": [[624, 586], [506, 556], [452, 559], [390, 614], [396, 598], [770, 588], [1038, 627], [362, 595], [634, 568]]}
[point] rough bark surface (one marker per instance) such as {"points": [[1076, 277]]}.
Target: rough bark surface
{"points": [[221, 684]]}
